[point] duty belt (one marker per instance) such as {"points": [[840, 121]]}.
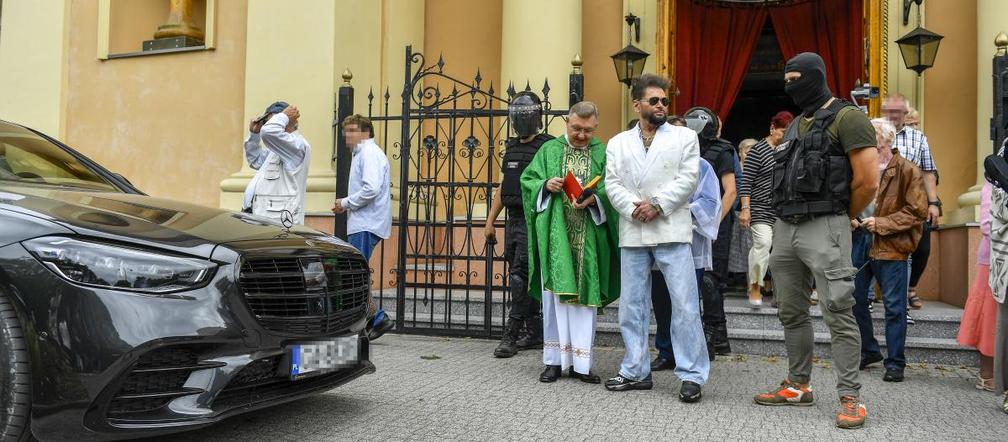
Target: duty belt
{"points": [[798, 212]]}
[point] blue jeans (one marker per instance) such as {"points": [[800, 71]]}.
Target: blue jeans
{"points": [[686, 330], [892, 277], [661, 302], [365, 243]]}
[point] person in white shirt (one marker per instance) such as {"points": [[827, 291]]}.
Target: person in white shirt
{"points": [[368, 203], [280, 156]]}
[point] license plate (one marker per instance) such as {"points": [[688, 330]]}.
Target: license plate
{"points": [[318, 357]]}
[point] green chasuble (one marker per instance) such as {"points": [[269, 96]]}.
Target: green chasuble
{"points": [[569, 254]]}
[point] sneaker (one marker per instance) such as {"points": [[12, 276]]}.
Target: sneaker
{"points": [[787, 394], [852, 413], [689, 392], [910, 320], [870, 358], [620, 383], [508, 346], [386, 324], [814, 297], [893, 375], [871, 307]]}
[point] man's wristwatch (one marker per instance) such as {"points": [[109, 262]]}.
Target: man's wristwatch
{"points": [[654, 203], [744, 207], [936, 203]]}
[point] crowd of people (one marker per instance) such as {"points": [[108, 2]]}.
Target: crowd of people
{"points": [[823, 209]]}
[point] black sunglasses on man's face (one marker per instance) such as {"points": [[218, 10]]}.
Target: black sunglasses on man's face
{"points": [[653, 101]]}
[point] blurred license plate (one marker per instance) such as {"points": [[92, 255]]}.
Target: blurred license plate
{"points": [[317, 357]]}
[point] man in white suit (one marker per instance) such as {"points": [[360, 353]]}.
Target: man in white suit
{"points": [[651, 172]]}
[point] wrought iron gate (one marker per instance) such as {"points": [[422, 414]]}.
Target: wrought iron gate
{"points": [[437, 272]]}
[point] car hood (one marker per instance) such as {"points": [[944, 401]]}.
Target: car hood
{"points": [[161, 223]]}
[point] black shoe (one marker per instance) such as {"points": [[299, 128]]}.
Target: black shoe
{"points": [[659, 363], [550, 374], [893, 375], [531, 335], [689, 392], [870, 358], [508, 346], [387, 324], [620, 383], [723, 349], [590, 378]]}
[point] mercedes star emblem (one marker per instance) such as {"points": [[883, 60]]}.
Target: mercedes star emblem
{"points": [[287, 219]]}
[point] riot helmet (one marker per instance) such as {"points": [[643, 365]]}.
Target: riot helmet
{"points": [[526, 114], [703, 121]]}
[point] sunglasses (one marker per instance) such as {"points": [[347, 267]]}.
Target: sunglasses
{"points": [[653, 101]]}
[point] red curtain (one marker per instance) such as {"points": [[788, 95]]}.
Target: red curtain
{"points": [[713, 47], [830, 28]]}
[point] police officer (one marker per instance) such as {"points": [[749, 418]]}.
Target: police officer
{"points": [[824, 174], [524, 325], [720, 153]]}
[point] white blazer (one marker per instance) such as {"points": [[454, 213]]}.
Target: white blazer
{"points": [[668, 171]]}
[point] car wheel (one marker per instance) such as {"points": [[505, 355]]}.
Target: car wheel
{"points": [[15, 376]]}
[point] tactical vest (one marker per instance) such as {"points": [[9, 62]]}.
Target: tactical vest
{"points": [[713, 151], [812, 173], [518, 156]]}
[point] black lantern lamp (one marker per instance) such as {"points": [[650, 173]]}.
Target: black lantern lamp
{"points": [[920, 46], [630, 60]]}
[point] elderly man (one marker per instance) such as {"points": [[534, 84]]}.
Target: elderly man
{"points": [[572, 243], [884, 235], [913, 146], [281, 167], [368, 203], [652, 172]]}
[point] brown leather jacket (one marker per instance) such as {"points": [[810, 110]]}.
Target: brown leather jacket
{"points": [[900, 210]]}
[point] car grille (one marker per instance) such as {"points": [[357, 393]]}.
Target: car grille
{"points": [[156, 379], [306, 295]]}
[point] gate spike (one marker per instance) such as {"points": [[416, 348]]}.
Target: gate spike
{"points": [[387, 94], [479, 77], [528, 88], [510, 90], [440, 63], [491, 90], [370, 94], [546, 88]]}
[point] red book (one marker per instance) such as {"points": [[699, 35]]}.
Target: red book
{"points": [[571, 186]]}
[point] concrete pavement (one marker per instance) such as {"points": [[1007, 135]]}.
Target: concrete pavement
{"points": [[430, 388]]}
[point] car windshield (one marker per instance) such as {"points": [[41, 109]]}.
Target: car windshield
{"points": [[27, 158]]}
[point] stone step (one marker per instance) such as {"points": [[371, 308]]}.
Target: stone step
{"points": [[941, 351], [935, 320]]}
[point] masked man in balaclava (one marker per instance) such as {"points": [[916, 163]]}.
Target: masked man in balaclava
{"points": [[524, 326], [826, 173]]}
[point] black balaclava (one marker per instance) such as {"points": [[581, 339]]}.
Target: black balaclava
{"points": [[810, 91]]}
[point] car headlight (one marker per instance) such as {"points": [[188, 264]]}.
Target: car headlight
{"points": [[119, 267]]}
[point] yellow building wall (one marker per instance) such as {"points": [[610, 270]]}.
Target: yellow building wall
{"points": [[601, 36], [950, 100], [172, 123], [33, 60]]}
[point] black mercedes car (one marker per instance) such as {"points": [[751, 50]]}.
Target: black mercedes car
{"points": [[123, 315]]}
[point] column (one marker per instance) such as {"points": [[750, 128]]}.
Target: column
{"points": [[538, 41], [989, 24], [33, 64]]}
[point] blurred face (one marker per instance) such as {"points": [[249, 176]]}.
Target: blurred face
{"points": [[580, 130], [884, 147], [776, 135], [653, 107], [895, 110], [353, 135]]}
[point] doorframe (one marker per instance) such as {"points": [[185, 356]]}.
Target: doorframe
{"points": [[875, 63]]}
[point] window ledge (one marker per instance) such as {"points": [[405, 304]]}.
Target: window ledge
{"points": [[159, 52]]}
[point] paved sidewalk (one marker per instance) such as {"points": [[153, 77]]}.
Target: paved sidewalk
{"points": [[429, 388]]}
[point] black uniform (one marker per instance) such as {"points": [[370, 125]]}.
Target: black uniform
{"points": [[517, 156], [721, 154]]}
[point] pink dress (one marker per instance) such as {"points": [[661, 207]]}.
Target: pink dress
{"points": [[979, 320]]}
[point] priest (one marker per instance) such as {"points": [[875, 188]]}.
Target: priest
{"points": [[573, 244]]}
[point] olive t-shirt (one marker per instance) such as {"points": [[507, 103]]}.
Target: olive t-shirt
{"points": [[851, 127]]}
